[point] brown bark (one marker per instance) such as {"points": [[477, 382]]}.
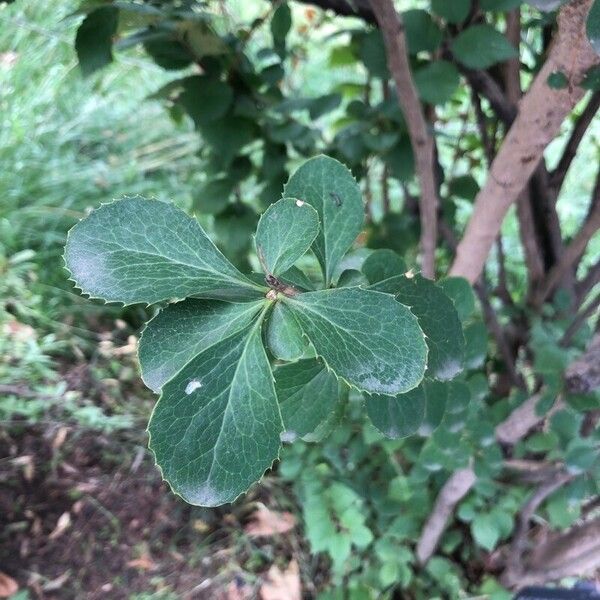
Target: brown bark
{"points": [[571, 254], [394, 36], [541, 113]]}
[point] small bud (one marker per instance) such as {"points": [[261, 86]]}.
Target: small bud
{"points": [[271, 295]]}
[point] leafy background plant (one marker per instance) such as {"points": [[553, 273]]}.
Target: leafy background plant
{"points": [[85, 148]]}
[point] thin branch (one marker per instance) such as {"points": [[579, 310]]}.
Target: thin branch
{"points": [[515, 566], [576, 552], [454, 490], [392, 29], [542, 111], [581, 317], [514, 428], [571, 254], [583, 375], [557, 176], [583, 287]]}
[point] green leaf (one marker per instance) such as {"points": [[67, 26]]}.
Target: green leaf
{"points": [[461, 292], [93, 42], [464, 186], [593, 26], [281, 23], [371, 51], [437, 81], [383, 264], [351, 278], [367, 338], [437, 318], [213, 196], [285, 232], [436, 398], [138, 250], [485, 531], [330, 188], [476, 343], [546, 5], [398, 416], [284, 335], [454, 11], [557, 80], [308, 396], [591, 81], [482, 46], [400, 160], [422, 33], [499, 5], [216, 427], [181, 331], [205, 99]]}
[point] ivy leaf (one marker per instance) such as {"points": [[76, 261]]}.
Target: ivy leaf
{"points": [[383, 264], [330, 188], [482, 46], [309, 396], [593, 26], [438, 320], [182, 330], [284, 335], [285, 232], [93, 42], [398, 416], [138, 250], [367, 338], [216, 427]]}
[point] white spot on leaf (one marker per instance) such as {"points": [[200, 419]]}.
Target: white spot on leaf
{"points": [[192, 386], [299, 203]]}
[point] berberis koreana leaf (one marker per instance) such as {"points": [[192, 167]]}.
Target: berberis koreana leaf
{"points": [[285, 232], [309, 395], [181, 331], [216, 427], [365, 337], [138, 250], [397, 416], [330, 188], [438, 319]]}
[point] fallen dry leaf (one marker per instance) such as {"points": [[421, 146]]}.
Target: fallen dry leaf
{"points": [[63, 523], [282, 585], [266, 522], [8, 586], [143, 563]]}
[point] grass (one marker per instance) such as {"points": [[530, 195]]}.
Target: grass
{"points": [[68, 144]]}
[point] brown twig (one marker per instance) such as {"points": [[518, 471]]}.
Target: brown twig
{"points": [[392, 29], [557, 176], [571, 254], [515, 564]]}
